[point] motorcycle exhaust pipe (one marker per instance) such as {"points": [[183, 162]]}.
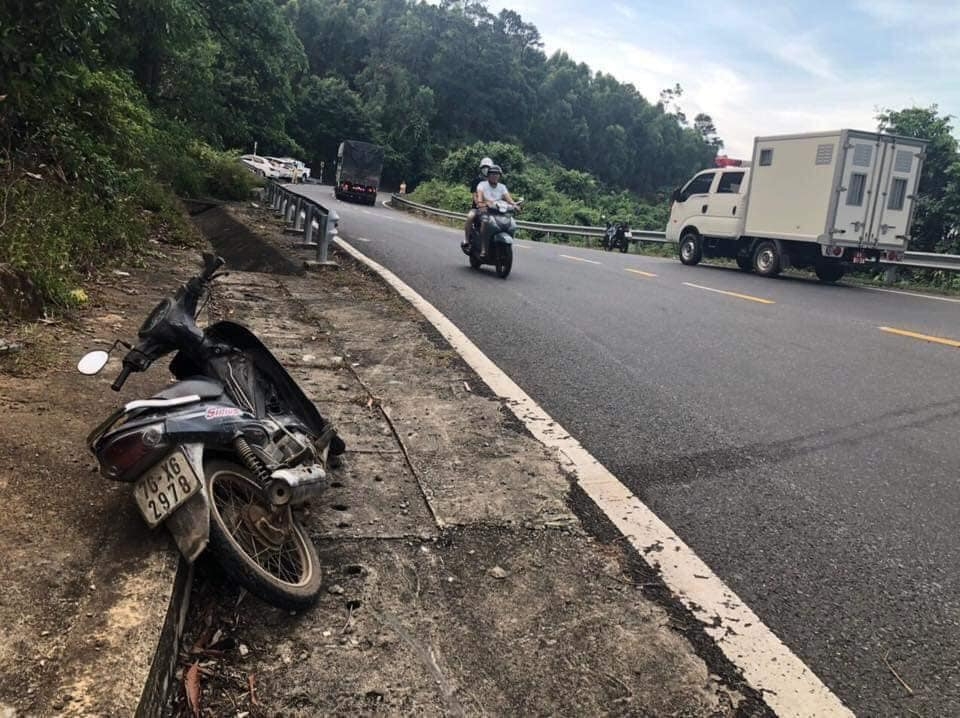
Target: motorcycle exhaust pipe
{"points": [[295, 486]]}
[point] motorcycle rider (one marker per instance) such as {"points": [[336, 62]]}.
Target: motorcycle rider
{"points": [[472, 216], [488, 193]]}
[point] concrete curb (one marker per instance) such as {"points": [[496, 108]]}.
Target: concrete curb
{"points": [[158, 687]]}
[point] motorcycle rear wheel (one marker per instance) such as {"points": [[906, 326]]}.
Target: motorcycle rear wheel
{"points": [[285, 574]]}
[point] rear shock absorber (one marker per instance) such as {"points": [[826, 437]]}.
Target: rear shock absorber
{"points": [[251, 460]]}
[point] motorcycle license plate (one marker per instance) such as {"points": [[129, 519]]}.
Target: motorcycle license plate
{"points": [[166, 487]]}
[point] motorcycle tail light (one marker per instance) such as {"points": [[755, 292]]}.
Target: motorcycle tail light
{"points": [[123, 456]]}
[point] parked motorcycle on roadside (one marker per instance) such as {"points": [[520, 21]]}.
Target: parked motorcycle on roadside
{"points": [[616, 236], [495, 235], [227, 454]]}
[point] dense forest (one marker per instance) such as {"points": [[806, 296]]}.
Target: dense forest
{"points": [[109, 107]]}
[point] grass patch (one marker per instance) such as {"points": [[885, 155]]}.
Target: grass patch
{"points": [[38, 351], [58, 234]]}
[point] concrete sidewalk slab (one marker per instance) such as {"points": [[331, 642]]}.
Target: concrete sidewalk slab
{"points": [[508, 596]]}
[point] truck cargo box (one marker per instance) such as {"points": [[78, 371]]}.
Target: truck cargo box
{"points": [[835, 188]]}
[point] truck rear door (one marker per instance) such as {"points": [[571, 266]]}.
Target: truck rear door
{"points": [[899, 178], [858, 188]]}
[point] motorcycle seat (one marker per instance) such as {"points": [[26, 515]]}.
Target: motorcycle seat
{"points": [[202, 387]]}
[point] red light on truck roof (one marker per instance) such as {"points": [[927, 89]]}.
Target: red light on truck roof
{"points": [[724, 161]]}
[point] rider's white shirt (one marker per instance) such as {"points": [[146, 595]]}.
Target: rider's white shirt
{"points": [[491, 193]]}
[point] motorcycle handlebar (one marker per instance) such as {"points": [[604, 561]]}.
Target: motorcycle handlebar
{"points": [[124, 373], [207, 274]]}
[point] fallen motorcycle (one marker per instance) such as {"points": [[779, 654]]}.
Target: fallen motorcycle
{"points": [[226, 455]]}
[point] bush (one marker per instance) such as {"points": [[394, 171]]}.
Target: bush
{"points": [[435, 193], [225, 177], [57, 233], [194, 169]]}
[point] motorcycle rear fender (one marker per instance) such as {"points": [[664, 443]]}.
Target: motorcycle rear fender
{"points": [[503, 238], [190, 524]]}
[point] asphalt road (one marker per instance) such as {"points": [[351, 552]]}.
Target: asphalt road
{"points": [[809, 457]]}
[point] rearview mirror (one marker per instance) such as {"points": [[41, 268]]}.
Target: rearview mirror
{"points": [[675, 197], [93, 362]]}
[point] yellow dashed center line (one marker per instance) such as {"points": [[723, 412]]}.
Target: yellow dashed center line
{"points": [[731, 294], [922, 337], [578, 259], [642, 273]]}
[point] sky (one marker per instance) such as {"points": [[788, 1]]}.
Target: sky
{"points": [[764, 70]]}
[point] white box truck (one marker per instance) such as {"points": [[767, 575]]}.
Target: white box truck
{"points": [[822, 200]]}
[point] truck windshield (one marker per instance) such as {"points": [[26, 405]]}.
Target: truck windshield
{"points": [[698, 185]]}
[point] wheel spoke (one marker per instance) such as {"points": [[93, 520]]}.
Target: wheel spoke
{"points": [[232, 498]]}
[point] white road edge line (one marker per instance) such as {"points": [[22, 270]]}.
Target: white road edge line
{"points": [[579, 259], [788, 686], [915, 295]]}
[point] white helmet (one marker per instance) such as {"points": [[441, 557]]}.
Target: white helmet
{"points": [[484, 164]]}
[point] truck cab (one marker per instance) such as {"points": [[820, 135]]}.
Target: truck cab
{"points": [[713, 204]]}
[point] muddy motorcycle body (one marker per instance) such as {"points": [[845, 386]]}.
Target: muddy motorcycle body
{"points": [[227, 455]]}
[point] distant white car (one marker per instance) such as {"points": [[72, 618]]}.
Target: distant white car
{"points": [[260, 166], [290, 168]]}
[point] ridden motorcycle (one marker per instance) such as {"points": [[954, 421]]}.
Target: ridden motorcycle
{"points": [[224, 456], [616, 236], [492, 243]]}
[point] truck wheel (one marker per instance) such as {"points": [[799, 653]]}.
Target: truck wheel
{"points": [[766, 259], [690, 252], [745, 263], [829, 271]]}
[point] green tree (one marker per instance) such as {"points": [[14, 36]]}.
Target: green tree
{"points": [[327, 112]]}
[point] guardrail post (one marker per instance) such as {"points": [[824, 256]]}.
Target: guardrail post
{"points": [[281, 201], [298, 218], [327, 228], [297, 221], [292, 221], [890, 276], [308, 225]]}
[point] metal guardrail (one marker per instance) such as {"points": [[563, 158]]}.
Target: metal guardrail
{"points": [[306, 217], [930, 260], [916, 260], [574, 230]]}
